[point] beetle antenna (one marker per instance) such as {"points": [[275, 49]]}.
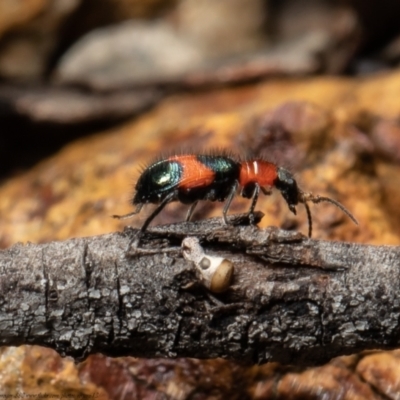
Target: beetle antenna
{"points": [[309, 197], [307, 207]]}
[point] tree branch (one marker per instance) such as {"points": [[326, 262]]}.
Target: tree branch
{"points": [[293, 299]]}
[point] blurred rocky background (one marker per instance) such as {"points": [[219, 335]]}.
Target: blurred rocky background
{"points": [[72, 67], [91, 89]]}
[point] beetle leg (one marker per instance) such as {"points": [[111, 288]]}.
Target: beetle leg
{"points": [[253, 203], [190, 211], [137, 211], [229, 201]]}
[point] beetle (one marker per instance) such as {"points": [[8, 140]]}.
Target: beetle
{"points": [[189, 178]]}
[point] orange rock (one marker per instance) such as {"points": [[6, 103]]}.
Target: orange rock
{"points": [[75, 192], [382, 372]]}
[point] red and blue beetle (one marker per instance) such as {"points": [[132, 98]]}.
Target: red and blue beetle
{"points": [[189, 178]]}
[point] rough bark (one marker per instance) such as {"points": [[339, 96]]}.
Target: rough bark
{"points": [[293, 299]]}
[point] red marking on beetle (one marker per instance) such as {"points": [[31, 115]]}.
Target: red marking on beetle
{"points": [[257, 171], [195, 174]]}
